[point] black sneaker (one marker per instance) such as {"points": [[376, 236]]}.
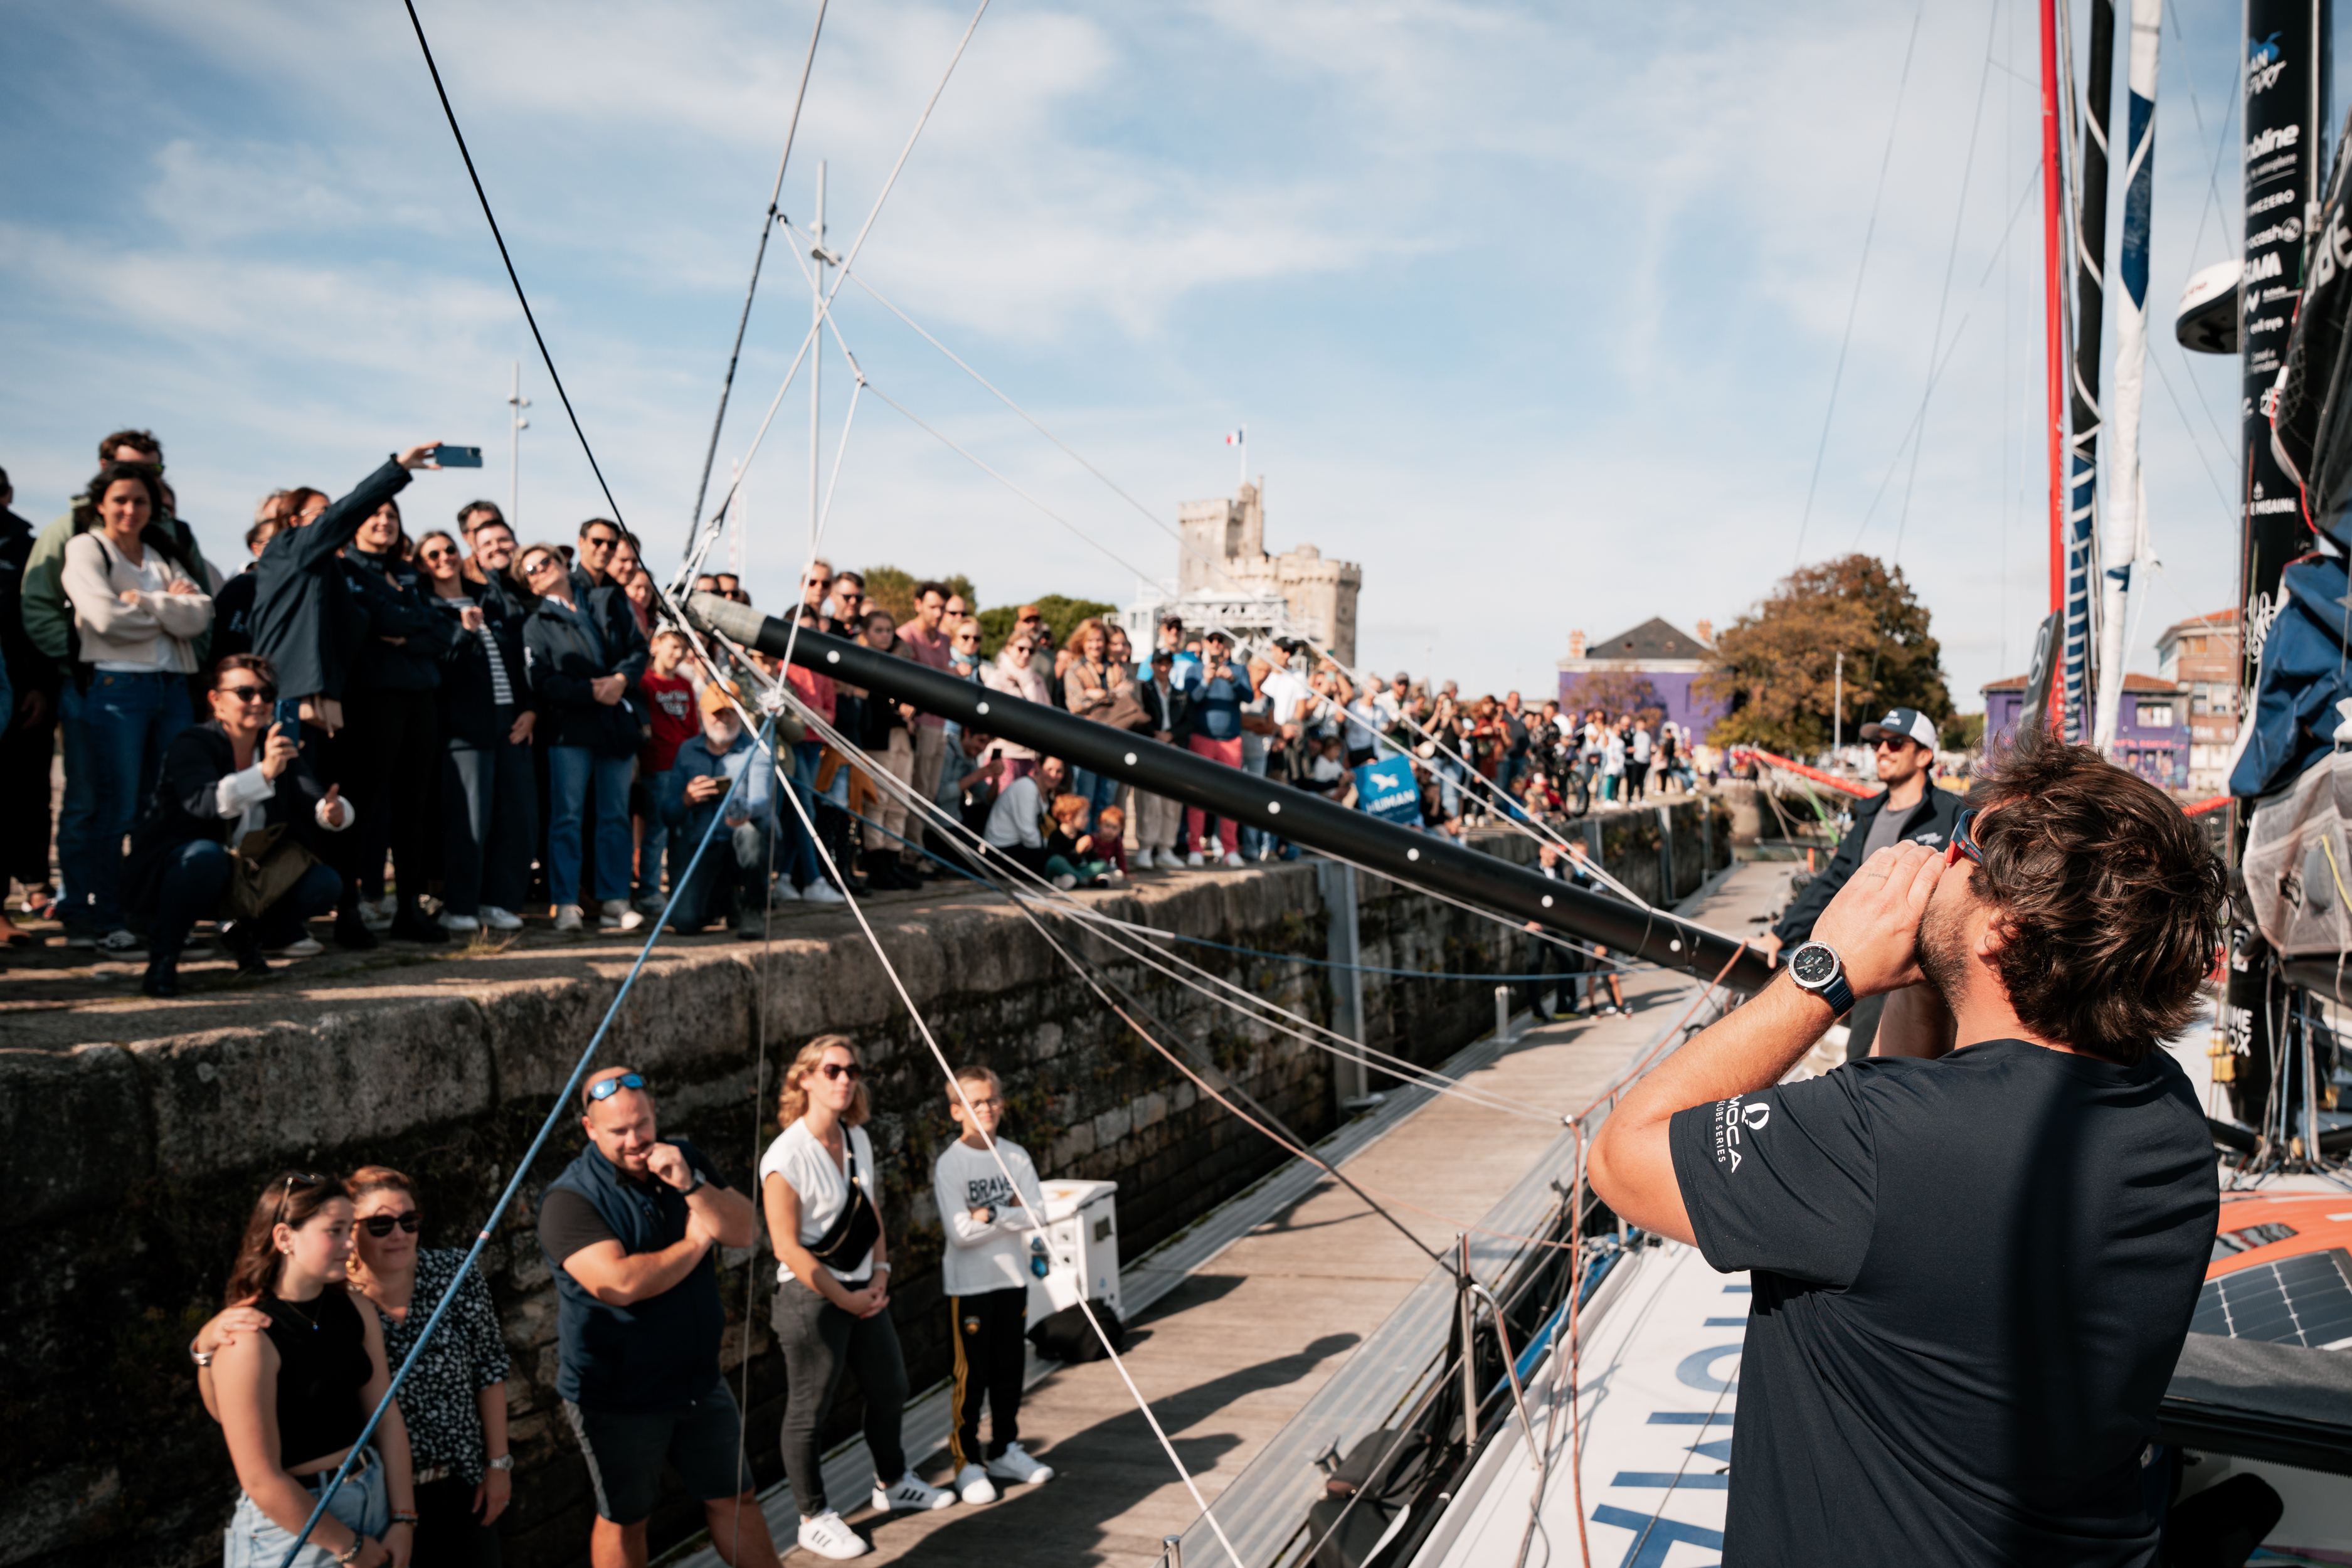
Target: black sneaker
{"points": [[162, 977], [410, 925], [245, 944], [351, 934]]}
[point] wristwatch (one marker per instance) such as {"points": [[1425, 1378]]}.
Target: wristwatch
{"points": [[1816, 967], [696, 1185], [503, 1462]]}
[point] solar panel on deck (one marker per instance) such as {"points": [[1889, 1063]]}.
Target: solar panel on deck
{"points": [[2305, 1300]]}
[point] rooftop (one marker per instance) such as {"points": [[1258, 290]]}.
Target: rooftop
{"points": [[2217, 621], [2148, 683], [1654, 639]]}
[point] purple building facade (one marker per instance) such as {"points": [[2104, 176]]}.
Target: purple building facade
{"points": [[1613, 672], [2152, 731]]}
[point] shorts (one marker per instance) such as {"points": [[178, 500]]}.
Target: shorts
{"points": [[703, 1437], [254, 1539]]}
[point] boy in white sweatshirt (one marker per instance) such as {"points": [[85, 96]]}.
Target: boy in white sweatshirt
{"points": [[989, 1227]]}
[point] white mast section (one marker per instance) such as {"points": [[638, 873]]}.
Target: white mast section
{"points": [[2123, 533]]}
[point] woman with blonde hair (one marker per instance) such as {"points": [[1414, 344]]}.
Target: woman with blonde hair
{"points": [[818, 1183]]}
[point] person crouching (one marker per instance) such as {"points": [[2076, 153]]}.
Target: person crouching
{"points": [[236, 789], [724, 756]]}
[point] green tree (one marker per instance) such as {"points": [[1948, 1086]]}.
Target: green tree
{"points": [[1616, 693], [892, 588], [1776, 667], [1060, 611]]}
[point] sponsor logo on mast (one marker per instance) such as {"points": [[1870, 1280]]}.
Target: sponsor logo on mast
{"points": [[2278, 138], [2265, 62]]}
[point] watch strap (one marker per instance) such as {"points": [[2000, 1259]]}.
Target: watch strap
{"points": [[1838, 995]]}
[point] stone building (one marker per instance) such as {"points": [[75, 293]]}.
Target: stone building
{"points": [[1225, 559], [1655, 664], [2200, 657]]}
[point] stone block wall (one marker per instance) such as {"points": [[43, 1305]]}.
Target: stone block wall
{"points": [[134, 1161]]}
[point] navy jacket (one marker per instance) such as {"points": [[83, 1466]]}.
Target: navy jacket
{"points": [[185, 808], [305, 622], [392, 594], [27, 669], [233, 615], [663, 1350], [1930, 822], [470, 714], [2302, 679], [563, 657]]}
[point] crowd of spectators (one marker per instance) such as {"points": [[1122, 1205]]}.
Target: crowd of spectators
{"points": [[423, 736]]}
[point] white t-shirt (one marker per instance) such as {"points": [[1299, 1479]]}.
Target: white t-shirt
{"points": [[1290, 694], [1013, 818], [992, 1256], [822, 1186], [154, 577]]}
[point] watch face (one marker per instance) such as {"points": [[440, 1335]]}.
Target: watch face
{"points": [[1813, 965]]}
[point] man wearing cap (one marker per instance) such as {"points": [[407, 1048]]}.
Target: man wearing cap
{"points": [[724, 756], [629, 1228], [1183, 668], [1910, 810]]}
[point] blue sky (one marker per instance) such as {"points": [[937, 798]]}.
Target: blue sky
{"points": [[1531, 311]]}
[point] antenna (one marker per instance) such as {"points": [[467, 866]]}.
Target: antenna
{"points": [[516, 403]]}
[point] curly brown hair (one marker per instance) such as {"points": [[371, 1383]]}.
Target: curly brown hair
{"points": [[2110, 898]]}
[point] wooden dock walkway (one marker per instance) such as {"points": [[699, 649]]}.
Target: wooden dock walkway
{"points": [[1259, 1309]]}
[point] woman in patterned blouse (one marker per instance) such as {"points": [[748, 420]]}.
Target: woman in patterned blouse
{"points": [[455, 1400]]}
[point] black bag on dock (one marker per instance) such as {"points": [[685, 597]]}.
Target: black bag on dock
{"points": [[1065, 1336]]}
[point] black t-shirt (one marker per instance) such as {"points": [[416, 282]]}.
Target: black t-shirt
{"points": [[1972, 1279], [567, 1222]]}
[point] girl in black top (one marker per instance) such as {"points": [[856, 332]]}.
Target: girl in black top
{"points": [[292, 1398]]}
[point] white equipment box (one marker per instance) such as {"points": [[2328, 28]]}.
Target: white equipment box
{"points": [[1081, 1249]]}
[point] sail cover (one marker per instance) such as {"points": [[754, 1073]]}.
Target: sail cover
{"points": [[2313, 397]]}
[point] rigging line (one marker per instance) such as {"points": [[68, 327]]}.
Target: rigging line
{"points": [[759, 1119], [922, 1026], [825, 303], [1398, 1067], [514, 1186], [767, 228], [1862, 270], [2220, 141], [1943, 301], [521, 298], [2196, 439]]}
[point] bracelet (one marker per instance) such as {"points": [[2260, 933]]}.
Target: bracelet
{"points": [[351, 1555], [401, 1516], [201, 1358], [881, 1269]]}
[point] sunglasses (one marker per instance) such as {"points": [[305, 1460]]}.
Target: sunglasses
{"points": [[250, 693], [849, 1070], [304, 1181], [608, 1087], [380, 1225], [1964, 838], [544, 564], [434, 554]]}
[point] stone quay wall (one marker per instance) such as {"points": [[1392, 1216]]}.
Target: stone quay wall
{"points": [[132, 1163]]}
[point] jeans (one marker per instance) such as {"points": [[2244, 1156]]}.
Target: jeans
{"points": [[126, 720], [1255, 841], [734, 868], [820, 1341], [1098, 790], [196, 876], [1449, 787], [570, 770], [254, 1541], [653, 840], [489, 819], [802, 868]]}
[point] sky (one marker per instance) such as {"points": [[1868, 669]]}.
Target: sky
{"points": [[1533, 311]]}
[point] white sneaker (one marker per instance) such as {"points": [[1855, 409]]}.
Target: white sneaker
{"points": [[120, 944], [821, 892], [618, 916], [1143, 859], [457, 924], [567, 917], [1065, 882], [911, 1494], [827, 1536], [1014, 1466], [1115, 877], [82, 939], [1194, 858], [1233, 860], [377, 915], [972, 1485], [300, 947], [783, 892], [498, 918]]}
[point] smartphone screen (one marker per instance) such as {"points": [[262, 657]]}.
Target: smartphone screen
{"points": [[457, 457]]}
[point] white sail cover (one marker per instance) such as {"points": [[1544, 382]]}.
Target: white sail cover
{"points": [[2123, 532]]}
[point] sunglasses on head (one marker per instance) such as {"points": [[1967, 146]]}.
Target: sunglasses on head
{"points": [[247, 691], [606, 1089], [1964, 838], [305, 1180], [849, 1070], [380, 1225]]}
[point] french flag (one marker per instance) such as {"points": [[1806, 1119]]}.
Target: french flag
{"points": [[1234, 439]]}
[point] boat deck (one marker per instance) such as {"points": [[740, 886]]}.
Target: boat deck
{"points": [[1238, 1325]]}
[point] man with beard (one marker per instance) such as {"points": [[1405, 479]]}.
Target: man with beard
{"points": [[1972, 1271]]}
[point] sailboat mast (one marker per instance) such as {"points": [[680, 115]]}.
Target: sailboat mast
{"points": [[2053, 250], [2090, 316], [2122, 532]]}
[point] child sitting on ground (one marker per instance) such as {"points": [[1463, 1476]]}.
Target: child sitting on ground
{"points": [[987, 1282], [1070, 857], [1110, 837]]}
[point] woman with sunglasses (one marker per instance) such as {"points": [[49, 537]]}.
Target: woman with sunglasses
{"points": [[819, 1187], [489, 802], [455, 1403], [224, 780], [1015, 674], [583, 652], [389, 754], [292, 1371]]}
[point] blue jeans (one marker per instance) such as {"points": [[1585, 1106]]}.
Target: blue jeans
{"points": [[1254, 841], [489, 816], [252, 1541], [126, 721], [569, 771], [653, 842], [1098, 790], [197, 878], [804, 867]]}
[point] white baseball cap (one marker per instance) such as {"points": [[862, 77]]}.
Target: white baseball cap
{"points": [[1907, 724]]}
